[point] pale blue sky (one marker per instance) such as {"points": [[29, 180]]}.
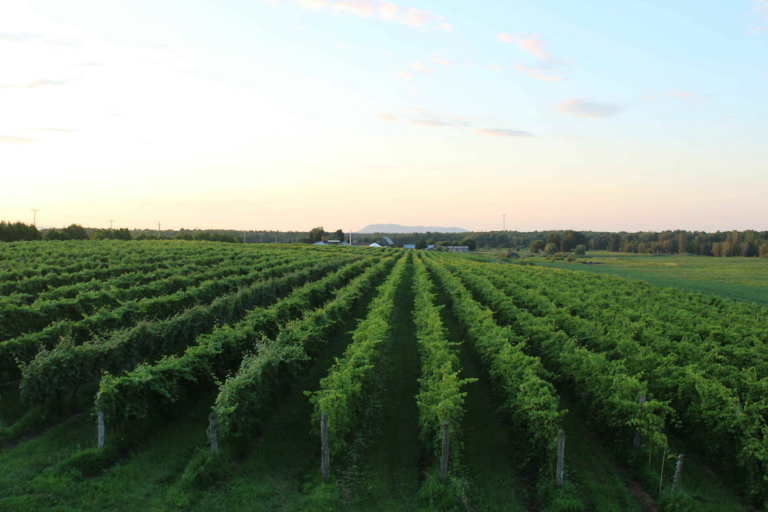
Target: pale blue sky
{"points": [[289, 114]]}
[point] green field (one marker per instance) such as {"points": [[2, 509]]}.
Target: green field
{"points": [[744, 279], [390, 344]]}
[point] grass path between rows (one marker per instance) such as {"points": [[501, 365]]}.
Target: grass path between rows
{"points": [[390, 470], [490, 453]]}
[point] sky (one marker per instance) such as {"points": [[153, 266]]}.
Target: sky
{"points": [[290, 114]]}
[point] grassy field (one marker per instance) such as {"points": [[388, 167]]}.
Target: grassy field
{"points": [[744, 279]]}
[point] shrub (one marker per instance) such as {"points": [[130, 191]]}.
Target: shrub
{"points": [[676, 502]]}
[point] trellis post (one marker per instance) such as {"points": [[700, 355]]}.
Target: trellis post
{"points": [[678, 470], [324, 452], [560, 459], [444, 456], [100, 429], [214, 434], [638, 435]]}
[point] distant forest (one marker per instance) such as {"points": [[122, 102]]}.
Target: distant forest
{"points": [[720, 243]]}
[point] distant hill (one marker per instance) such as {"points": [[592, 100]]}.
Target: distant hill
{"points": [[397, 228]]}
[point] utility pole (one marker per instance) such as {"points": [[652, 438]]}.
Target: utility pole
{"points": [[350, 238], [158, 230], [505, 221], [110, 223], [34, 217]]}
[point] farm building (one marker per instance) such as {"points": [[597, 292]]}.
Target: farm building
{"points": [[409, 246], [456, 248]]}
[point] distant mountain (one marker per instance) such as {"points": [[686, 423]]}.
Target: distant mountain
{"points": [[397, 228]]}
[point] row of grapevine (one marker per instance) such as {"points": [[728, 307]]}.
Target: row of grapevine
{"points": [[708, 407], [52, 259], [38, 282], [530, 399], [52, 373], [440, 397], [214, 355], [734, 345], [171, 265], [341, 393], [610, 391], [35, 317], [705, 317], [93, 327], [82, 259], [125, 261]]}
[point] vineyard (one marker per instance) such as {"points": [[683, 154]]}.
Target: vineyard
{"points": [[174, 375]]}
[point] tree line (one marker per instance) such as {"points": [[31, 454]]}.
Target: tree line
{"points": [[749, 243], [19, 232]]}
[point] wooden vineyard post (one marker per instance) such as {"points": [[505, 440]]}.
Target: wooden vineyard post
{"points": [[736, 445], [678, 470], [560, 457], [324, 454], [444, 456], [638, 435], [100, 429], [214, 434]]}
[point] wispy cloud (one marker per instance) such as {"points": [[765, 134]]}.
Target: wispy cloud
{"points": [[21, 37], [403, 74], [442, 62], [416, 18], [388, 11], [583, 107], [34, 84], [381, 9], [387, 117], [761, 7], [362, 8], [426, 118], [56, 130], [494, 67], [546, 71], [530, 43], [501, 132], [313, 5], [420, 68], [547, 68], [683, 95], [8, 139], [686, 96]]}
